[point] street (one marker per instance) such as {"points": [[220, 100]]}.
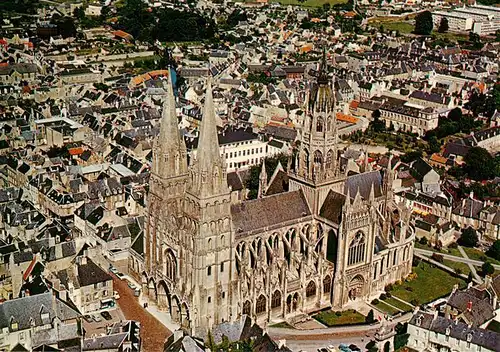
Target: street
{"points": [[153, 332]]}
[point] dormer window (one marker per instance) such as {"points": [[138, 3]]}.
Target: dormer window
{"points": [[13, 325], [419, 319]]}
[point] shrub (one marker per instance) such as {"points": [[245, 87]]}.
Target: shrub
{"points": [[409, 288], [388, 294], [370, 318], [458, 271], [414, 302], [388, 288], [453, 245], [375, 302], [423, 240], [412, 276], [383, 297], [338, 313], [487, 269], [437, 257]]}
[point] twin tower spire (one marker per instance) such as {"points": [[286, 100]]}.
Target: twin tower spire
{"points": [[207, 172]]}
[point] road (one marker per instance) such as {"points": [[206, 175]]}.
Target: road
{"points": [[454, 258], [311, 340], [153, 332]]}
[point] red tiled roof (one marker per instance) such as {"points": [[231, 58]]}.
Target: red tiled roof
{"points": [[75, 151]]}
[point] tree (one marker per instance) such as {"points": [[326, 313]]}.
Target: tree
{"points": [[423, 240], [377, 124], [494, 250], [370, 318], [475, 40], [479, 164], [487, 269], [423, 23], [443, 25], [468, 238], [455, 115]]}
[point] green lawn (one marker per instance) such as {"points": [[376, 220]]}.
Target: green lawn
{"points": [[451, 36], [398, 304], [464, 268], [346, 317], [430, 284], [401, 26], [477, 254], [386, 308], [283, 325], [311, 3]]}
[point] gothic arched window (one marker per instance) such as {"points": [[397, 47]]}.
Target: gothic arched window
{"points": [[261, 305], [246, 308], [276, 300], [170, 266], [327, 284], [357, 249], [318, 157], [311, 289], [320, 125], [329, 160]]}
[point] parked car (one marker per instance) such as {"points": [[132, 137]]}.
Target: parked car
{"points": [[354, 348], [116, 295], [120, 275], [97, 318], [113, 269], [132, 285], [106, 315], [344, 348], [88, 318]]}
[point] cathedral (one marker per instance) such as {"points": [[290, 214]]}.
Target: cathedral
{"points": [[316, 237]]}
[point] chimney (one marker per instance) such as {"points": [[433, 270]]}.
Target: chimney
{"points": [[83, 260]]}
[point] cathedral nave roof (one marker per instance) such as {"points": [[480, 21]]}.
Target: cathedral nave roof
{"points": [[269, 211]]}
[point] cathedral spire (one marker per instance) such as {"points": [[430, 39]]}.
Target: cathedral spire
{"points": [[323, 69], [170, 153], [209, 168], [262, 179]]}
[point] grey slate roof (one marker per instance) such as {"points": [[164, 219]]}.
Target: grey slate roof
{"points": [[26, 308], [458, 330], [255, 214], [363, 182], [91, 273]]}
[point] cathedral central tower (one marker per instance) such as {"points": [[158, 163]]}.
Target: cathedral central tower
{"points": [[316, 165]]}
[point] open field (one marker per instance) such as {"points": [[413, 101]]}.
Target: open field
{"points": [[430, 284], [311, 3]]}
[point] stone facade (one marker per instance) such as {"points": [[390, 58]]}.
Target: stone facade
{"points": [[324, 241]]}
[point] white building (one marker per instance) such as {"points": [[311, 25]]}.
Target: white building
{"points": [[241, 148], [430, 332], [457, 22]]}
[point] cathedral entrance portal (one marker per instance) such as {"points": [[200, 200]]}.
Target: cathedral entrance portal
{"points": [[356, 287]]}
